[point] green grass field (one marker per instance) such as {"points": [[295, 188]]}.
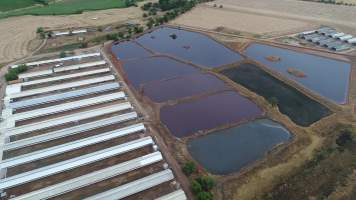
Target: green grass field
{"points": [[6, 5], [59, 8]]}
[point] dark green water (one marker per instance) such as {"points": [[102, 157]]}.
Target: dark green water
{"points": [[300, 108]]}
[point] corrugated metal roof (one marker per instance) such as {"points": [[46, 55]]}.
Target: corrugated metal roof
{"points": [[63, 96], [69, 131], [91, 178], [86, 159], [66, 106], [70, 146], [68, 118], [135, 186], [61, 86]]}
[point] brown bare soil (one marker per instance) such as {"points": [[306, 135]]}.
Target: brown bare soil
{"points": [[211, 18], [319, 13]]}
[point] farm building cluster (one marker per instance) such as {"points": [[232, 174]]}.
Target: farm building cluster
{"points": [[330, 38], [70, 131]]}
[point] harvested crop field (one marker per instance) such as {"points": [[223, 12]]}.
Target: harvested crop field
{"points": [[18, 32], [314, 12], [208, 17]]}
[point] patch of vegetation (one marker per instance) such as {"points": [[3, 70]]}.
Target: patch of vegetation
{"points": [[62, 54], [201, 185], [64, 7], [189, 168], [170, 9], [335, 2], [7, 5], [12, 73], [319, 177]]}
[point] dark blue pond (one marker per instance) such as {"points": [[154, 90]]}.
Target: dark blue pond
{"points": [[227, 107], [145, 70], [180, 87], [327, 77], [230, 150], [128, 49], [194, 47]]}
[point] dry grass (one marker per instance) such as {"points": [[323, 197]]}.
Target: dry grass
{"points": [[208, 17], [17, 33], [342, 17]]}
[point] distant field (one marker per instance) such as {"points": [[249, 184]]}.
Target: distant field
{"points": [[6, 5], [59, 8]]}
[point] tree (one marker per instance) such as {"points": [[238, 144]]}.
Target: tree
{"points": [[205, 196], [10, 76], [13, 73], [129, 3], [62, 54], [273, 101], [189, 168], [196, 187], [39, 30], [206, 182]]}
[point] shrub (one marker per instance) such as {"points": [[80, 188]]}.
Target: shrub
{"points": [[196, 187], [344, 138], [62, 54], [10, 76], [39, 30], [205, 196], [189, 168], [113, 36], [13, 73], [206, 182]]}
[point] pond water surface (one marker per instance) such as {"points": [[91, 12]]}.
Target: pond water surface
{"points": [[191, 46], [298, 107], [128, 50], [325, 76], [227, 107], [160, 91], [230, 150], [145, 70]]}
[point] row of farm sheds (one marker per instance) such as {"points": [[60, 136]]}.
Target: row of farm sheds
{"points": [[69, 131], [330, 38]]}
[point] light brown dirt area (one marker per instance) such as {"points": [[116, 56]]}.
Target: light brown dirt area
{"points": [[269, 16], [208, 17], [342, 17], [18, 34]]}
